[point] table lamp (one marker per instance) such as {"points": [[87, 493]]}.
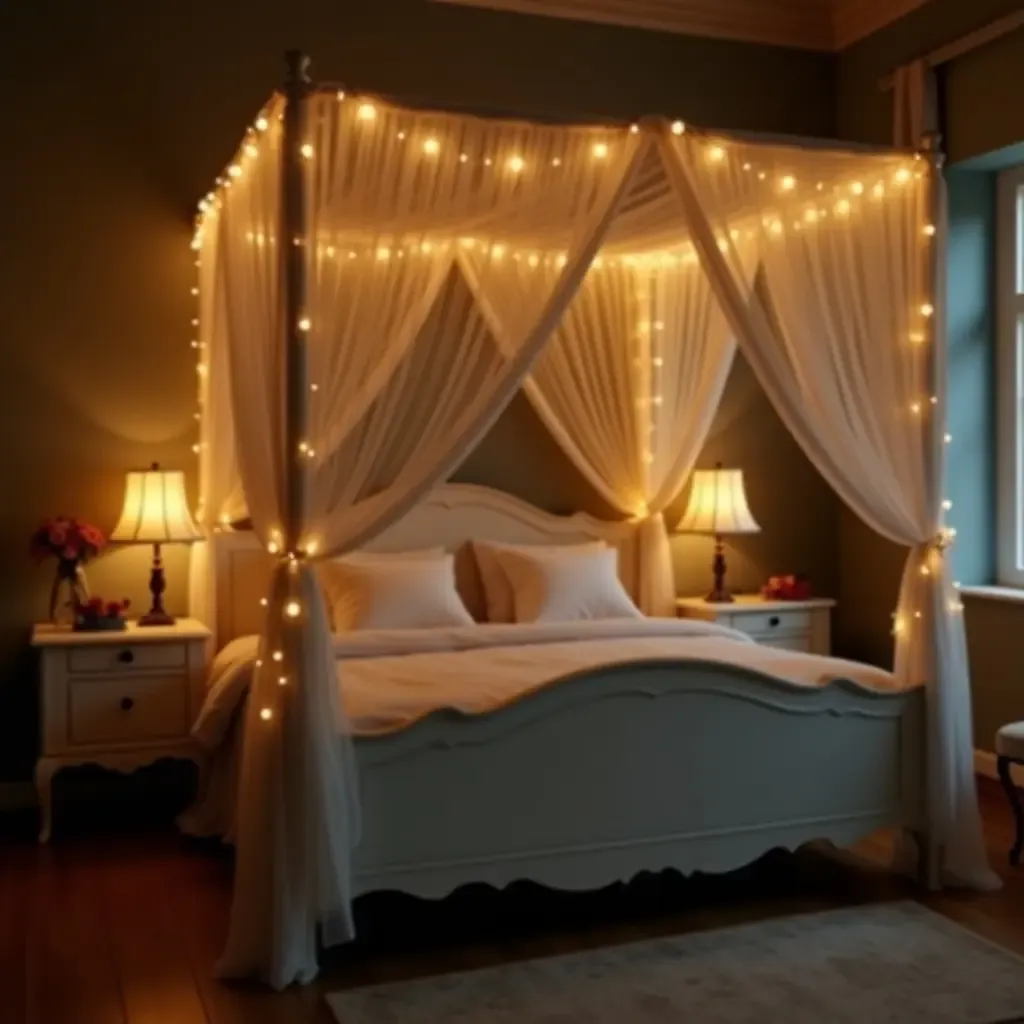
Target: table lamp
{"points": [[718, 506], [155, 512]]}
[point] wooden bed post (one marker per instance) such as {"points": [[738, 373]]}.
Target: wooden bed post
{"points": [[294, 247], [934, 281]]}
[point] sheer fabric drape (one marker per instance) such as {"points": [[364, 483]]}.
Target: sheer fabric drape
{"points": [[840, 337], [628, 385], [404, 374], [220, 498]]}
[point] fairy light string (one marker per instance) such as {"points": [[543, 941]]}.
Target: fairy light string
{"points": [[788, 206]]}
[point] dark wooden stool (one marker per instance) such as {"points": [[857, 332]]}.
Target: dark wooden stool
{"points": [[1010, 751]]}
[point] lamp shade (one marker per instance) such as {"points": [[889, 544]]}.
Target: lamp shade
{"points": [[155, 509], [718, 504]]}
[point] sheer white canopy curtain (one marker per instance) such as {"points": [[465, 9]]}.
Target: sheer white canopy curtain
{"points": [[628, 385], [403, 375], [846, 336]]}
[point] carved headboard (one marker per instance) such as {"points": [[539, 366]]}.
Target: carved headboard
{"points": [[449, 516]]}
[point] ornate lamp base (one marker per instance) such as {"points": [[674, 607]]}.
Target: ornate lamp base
{"points": [[157, 614], [719, 593]]}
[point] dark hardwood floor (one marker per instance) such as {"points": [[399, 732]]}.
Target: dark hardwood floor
{"points": [[125, 928]]}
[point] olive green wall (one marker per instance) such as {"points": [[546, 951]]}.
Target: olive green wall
{"points": [[980, 87], [117, 117], [980, 117]]}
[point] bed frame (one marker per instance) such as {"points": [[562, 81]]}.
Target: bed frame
{"points": [[642, 766]]}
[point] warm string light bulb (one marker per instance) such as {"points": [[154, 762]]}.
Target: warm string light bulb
{"points": [[306, 149], [266, 714], [600, 151], [431, 147], [293, 609], [678, 127], [716, 154], [516, 164], [278, 656], [366, 112]]}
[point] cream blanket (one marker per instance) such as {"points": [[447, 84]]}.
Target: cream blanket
{"points": [[390, 679]]}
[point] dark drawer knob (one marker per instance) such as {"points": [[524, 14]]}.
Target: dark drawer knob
{"points": [[773, 621], [126, 657], [127, 703]]}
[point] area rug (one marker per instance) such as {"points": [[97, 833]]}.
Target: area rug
{"points": [[891, 963]]}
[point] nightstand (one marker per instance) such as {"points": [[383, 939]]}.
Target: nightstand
{"points": [[792, 625], [120, 700]]}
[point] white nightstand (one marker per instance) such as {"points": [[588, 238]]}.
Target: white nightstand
{"points": [[120, 700], [793, 625]]}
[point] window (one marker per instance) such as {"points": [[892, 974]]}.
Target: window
{"points": [[1010, 375]]}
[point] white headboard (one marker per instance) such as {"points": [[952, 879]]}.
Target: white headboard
{"points": [[449, 517]]}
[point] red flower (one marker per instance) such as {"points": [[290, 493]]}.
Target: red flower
{"points": [[92, 536], [58, 534]]}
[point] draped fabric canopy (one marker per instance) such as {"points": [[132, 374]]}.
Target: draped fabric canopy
{"points": [[353, 351]]}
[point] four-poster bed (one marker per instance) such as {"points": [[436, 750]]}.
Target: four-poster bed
{"points": [[375, 285]]}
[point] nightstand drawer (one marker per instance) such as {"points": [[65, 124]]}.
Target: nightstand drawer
{"points": [[123, 710], [764, 624], [801, 642], [126, 657]]}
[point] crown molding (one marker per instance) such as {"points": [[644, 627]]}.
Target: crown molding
{"points": [[854, 20], [821, 25]]}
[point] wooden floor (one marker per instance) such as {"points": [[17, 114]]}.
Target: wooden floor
{"points": [[125, 929]]}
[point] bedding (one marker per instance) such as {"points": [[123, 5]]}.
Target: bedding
{"points": [[556, 587], [389, 679], [499, 595], [410, 590]]}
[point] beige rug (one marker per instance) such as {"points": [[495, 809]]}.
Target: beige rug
{"points": [[892, 963]]}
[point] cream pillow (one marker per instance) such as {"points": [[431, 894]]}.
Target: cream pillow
{"points": [[498, 595], [411, 590], [555, 587]]}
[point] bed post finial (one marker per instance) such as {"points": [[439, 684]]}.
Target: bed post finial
{"points": [[297, 66]]}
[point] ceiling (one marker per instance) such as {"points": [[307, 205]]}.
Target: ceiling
{"points": [[826, 25]]}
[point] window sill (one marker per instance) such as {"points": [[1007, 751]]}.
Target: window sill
{"points": [[1014, 595]]}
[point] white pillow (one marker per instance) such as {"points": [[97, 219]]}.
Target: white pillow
{"points": [[498, 590], [555, 587], [411, 590]]}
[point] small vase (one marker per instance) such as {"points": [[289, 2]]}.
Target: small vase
{"points": [[69, 590]]}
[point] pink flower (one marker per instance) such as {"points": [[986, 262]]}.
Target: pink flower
{"points": [[70, 552]]}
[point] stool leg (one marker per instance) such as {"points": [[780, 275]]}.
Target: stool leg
{"points": [[1003, 764]]}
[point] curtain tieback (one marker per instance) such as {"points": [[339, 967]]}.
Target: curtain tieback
{"points": [[942, 541]]}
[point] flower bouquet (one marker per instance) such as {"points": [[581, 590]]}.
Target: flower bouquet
{"points": [[787, 588], [72, 544], [97, 614]]}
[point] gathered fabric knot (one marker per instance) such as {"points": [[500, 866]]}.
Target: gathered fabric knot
{"points": [[943, 540]]}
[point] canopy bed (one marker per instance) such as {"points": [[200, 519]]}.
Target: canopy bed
{"points": [[375, 283]]}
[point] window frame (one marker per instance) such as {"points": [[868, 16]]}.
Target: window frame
{"points": [[1010, 377]]}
